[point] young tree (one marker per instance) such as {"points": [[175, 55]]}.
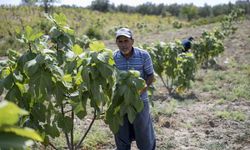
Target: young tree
{"points": [[190, 11]]}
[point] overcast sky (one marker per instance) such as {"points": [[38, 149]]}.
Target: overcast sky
{"points": [[132, 2]]}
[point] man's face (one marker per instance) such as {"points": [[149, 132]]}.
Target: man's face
{"points": [[124, 44]]}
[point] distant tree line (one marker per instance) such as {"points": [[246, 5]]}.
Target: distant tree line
{"points": [[188, 11], [47, 4]]}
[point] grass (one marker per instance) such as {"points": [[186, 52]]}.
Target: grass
{"points": [[231, 115], [99, 135], [82, 20], [230, 84], [220, 101], [215, 146], [166, 109]]}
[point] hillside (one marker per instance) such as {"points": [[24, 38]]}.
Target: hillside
{"points": [[93, 23], [213, 115]]}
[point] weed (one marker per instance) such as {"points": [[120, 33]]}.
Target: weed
{"points": [[233, 115]]}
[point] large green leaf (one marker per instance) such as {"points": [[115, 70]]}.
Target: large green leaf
{"points": [[24, 132], [10, 113], [131, 114], [30, 35], [11, 140], [8, 81], [65, 123], [128, 97], [138, 104], [32, 66], [77, 50], [14, 94], [41, 83], [97, 46], [60, 19], [52, 130], [39, 112]]}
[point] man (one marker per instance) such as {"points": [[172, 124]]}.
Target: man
{"points": [[187, 44], [131, 58]]}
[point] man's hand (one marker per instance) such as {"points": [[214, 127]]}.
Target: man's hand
{"points": [[143, 89]]}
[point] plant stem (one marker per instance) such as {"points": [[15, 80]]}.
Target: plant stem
{"points": [[84, 136], [53, 146], [169, 89], [72, 130], [66, 135]]}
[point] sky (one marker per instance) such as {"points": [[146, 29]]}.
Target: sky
{"points": [[85, 3]]}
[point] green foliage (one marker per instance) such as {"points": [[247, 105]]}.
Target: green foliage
{"points": [[93, 32], [207, 47], [189, 11], [228, 22], [57, 79], [177, 24], [210, 44], [12, 136], [233, 115], [126, 99], [81, 20], [176, 69]]}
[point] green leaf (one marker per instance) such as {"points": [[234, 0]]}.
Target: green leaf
{"points": [[25, 58], [67, 78], [11, 140], [14, 94], [131, 114], [77, 50], [8, 81], [105, 70], [52, 130], [10, 113], [60, 19], [39, 112], [59, 91], [41, 83], [135, 73], [97, 46], [138, 104], [122, 90], [80, 111], [24, 132], [65, 123], [128, 97], [139, 83], [28, 32], [31, 67]]}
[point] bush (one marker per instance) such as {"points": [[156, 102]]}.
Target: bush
{"points": [[177, 24]]}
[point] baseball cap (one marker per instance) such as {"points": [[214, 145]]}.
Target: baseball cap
{"points": [[124, 32]]}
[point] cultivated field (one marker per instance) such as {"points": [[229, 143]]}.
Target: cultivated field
{"points": [[213, 115]]}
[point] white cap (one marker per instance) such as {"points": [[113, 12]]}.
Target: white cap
{"points": [[124, 32]]}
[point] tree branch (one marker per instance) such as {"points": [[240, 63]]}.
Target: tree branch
{"points": [[84, 136]]}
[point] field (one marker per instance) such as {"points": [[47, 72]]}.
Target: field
{"points": [[213, 115]]}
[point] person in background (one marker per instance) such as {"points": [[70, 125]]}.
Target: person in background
{"points": [[127, 58], [187, 44]]}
